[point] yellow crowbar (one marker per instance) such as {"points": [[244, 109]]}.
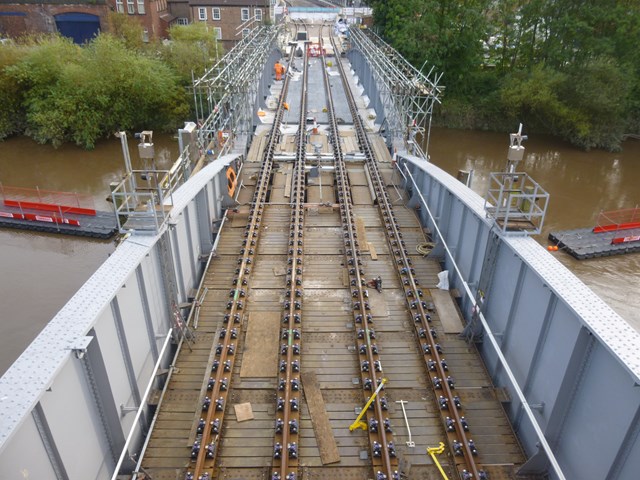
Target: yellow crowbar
{"points": [[358, 422], [437, 450]]}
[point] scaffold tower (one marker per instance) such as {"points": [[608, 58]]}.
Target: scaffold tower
{"points": [[225, 95], [407, 94]]}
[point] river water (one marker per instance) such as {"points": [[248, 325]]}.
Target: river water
{"points": [[40, 272]]}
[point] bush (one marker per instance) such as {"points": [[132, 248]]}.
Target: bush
{"points": [[74, 94], [191, 48], [12, 118], [127, 29]]}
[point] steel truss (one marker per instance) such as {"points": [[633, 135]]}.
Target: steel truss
{"points": [[408, 95], [225, 95]]}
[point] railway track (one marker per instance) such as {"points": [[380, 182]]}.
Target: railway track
{"points": [[205, 447], [287, 424], [443, 382], [314, 209], [378, 425]]}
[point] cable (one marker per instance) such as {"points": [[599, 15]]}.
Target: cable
{"points": [[424, 249]]}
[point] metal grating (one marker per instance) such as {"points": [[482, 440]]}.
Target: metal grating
{"points": [[614, 332]]}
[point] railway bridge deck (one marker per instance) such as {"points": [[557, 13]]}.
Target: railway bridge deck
{"points": [[328, 356], [284, 301]]}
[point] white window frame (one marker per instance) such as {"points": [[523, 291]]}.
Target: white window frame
{"points": [[245, 32], [258, 13], [202, 14], [215, 13], [182, 21], [131, 8], [217, 33], [141, 10], [244, 14], [120, 6]]}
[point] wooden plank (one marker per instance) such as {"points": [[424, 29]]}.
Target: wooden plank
{"points": [[372, 251], [318, 194], [447, 311], [243, 411], [362, 234], [319, 419], [357, 177], [279, 271], [260, 354], [287, 185], [277, 196]]}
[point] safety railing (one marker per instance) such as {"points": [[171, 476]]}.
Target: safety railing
{"points": [[403, 166]]}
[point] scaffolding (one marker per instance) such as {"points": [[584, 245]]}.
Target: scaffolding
{"points": [[515, 202], [225, 95], [407, 94], [144, 197]]}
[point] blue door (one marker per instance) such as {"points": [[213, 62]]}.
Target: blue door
{"points": [[81, 27]]}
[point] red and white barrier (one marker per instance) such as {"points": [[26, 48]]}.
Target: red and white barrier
{"points": [[40, 218]]}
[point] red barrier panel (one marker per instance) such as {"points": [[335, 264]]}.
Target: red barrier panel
{"points": [[616, 227], [49, 207], [40, 218], [634, 238]]}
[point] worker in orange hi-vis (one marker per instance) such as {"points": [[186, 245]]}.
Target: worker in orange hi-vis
{"points": [[279, 68]]}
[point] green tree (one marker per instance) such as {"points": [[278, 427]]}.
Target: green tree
{"points": [[38, 74], [563, 66], [82, 94], [127, 29], [192, 48], [12, 117], [448, 34]]}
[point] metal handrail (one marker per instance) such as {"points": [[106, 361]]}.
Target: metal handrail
{"points": [[503, 361], [143, 401]]}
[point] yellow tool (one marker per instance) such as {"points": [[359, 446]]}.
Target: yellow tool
{"points": [[358, 422], [433, 451]]}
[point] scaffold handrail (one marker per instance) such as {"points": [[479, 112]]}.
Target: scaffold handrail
{"points": [[236, 55], [225, 93], [408, 95]]}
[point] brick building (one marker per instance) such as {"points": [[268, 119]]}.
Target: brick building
{"points": [[80, 20], [153, 15], [77, 19], [228, 19]]}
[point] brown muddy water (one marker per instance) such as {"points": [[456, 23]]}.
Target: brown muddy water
{"points": [[39, 273]]}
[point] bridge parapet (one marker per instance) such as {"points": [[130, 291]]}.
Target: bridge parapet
{"points": [[74, 389], [567, 360]]}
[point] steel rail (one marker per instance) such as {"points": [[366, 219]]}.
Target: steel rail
{"points": [[285, 458], [378, 424], [211, 426], [494, 343], [426, 335]]}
